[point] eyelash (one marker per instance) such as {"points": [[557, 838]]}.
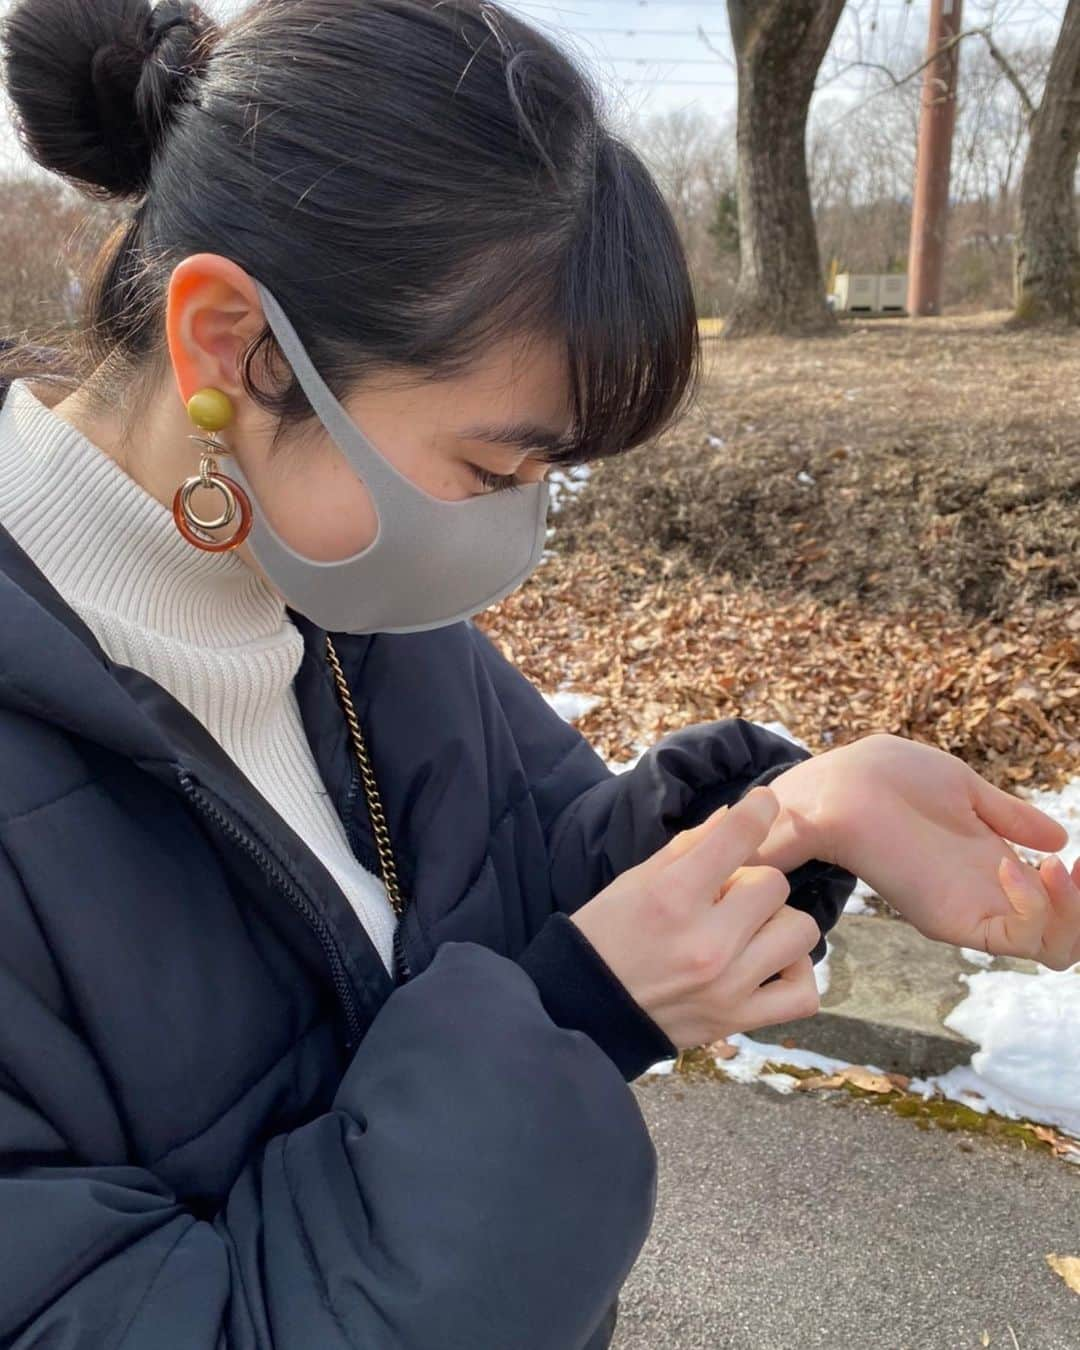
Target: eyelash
{"points": [[495, 482]]}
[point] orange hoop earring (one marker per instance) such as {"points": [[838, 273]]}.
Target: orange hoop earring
{"points": [[211, 410]]}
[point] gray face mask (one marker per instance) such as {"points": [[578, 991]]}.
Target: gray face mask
{"points": [[432, 563]]}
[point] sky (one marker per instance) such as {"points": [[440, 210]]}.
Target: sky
{"points": [[651, 58]]}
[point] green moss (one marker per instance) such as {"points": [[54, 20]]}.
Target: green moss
{"points": [[930, 1112], [698, 1063]]}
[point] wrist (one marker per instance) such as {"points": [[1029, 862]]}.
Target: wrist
{"points": [[803, 831]]}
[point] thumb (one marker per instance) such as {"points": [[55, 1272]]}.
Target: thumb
{"points": [[1021, 932]]}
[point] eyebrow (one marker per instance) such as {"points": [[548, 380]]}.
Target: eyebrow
{"points": [[525, 435]]}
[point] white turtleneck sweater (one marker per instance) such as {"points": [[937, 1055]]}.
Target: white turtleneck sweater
{"points": [[203, 625]]}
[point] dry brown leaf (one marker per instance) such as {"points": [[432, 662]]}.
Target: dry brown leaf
{"points": [[1068, 1267], [1061, 1144], [1003, 695], [833, 1080], [865, 1079], [859, 1076]]}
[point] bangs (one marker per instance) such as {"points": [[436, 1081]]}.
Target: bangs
{"points": [[628, 316], [613, 290]]}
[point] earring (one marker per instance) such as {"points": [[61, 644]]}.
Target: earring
{"points": [[211, 410]]}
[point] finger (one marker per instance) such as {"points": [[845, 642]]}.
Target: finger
{"points": [[1076, 872], [749, 901], [787, 934], [725, 845], [1064, 927], [686, 839], [679, 844], [1019, 933], [746, 873], [791, 996], [1017, 820]]}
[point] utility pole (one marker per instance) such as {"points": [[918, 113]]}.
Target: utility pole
{"points": [[937, 117]]}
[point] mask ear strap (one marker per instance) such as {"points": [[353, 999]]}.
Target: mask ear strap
{"points": [[348, 437]]}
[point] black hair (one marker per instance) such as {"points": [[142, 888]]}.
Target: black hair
{"points": [[411, 179]]}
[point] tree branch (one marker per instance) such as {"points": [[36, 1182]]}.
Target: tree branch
{"points": [[995, 51], [1010, 73]]}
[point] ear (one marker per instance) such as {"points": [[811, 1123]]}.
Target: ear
{"points": [[212, 315]]}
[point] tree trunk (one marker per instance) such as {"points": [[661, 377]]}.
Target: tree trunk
{"points": [[1047, 257], [779, 46]]}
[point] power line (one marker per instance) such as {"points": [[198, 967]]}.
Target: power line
{"points": [[652, 32], [568, 7], [665, 60], [667, 84]]}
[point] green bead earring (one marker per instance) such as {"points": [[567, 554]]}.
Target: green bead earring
{"points": [[211, 410]]}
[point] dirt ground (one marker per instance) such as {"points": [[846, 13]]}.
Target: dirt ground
{"points": [[934, 463], [877, 531]]}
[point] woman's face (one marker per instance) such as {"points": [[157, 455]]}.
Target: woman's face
{"points": [[455, 437], [474, 433]]}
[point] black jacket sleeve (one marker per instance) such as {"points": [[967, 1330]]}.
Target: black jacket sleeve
{"points": [[482, 1180], [599, 823]]}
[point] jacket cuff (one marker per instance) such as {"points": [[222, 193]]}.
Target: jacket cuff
{"points": [[580, 992]]}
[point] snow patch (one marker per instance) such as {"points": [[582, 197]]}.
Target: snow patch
{"points": [[748, 1066], [571, 705], [778, 729], [821, 971], [1026, 1027], [567, 483], [856, 901]]}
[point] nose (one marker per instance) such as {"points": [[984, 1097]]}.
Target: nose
{"points": [[533, 471]]}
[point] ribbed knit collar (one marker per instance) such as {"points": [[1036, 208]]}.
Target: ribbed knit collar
{"points": [[107, 544]]}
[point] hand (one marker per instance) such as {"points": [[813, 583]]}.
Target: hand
{"points": [[693, 935], [1036, 893], [928, 834]]}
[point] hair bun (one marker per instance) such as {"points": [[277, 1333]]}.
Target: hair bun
{"points": [[96, 83]]}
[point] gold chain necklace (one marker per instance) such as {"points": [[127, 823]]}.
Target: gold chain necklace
{"points": [[371, 788]]}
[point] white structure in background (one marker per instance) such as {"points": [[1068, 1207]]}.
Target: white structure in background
{"points": [[856, 293]]}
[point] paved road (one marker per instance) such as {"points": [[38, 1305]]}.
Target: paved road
{"points": [[795, 1223]]}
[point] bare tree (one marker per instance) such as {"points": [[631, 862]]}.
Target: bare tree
{"points": [[692, 157], [1047, 257], [779, 46], [48, 235], [1046, 282]]}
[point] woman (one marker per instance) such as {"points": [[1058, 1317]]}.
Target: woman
{"points": [[245, 725]]}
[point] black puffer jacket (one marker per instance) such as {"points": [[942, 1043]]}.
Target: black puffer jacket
{"points": [[221, 1125]]}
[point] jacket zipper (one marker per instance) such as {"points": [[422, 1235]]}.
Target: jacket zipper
{"points": [[280, 878], [404, 973]]}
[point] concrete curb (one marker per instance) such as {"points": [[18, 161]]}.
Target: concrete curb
{"points": [[890, 990]]}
